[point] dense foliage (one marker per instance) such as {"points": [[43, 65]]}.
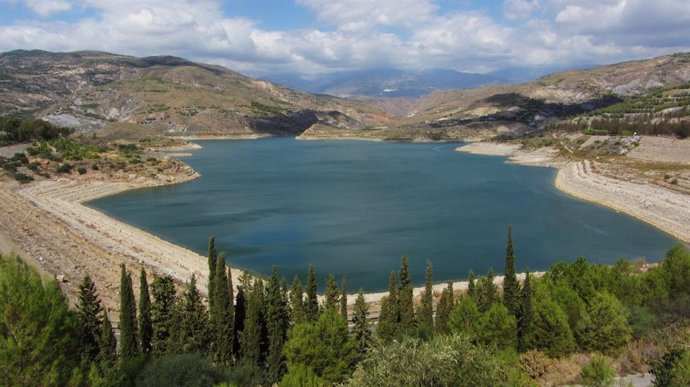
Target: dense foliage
{"points": [[262, 334]]}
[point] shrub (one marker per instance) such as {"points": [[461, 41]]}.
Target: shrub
{"points": [[81, 170], [64, 168], [23, 178], [180, 370], [597, 373]]}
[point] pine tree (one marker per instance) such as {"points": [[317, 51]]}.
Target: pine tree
{"points": [[297, 314], [425, 313], [511, 287], [277, 325], [343, 298], [194, 335], [525, 320], [251, 342], [445, 305], [405, 302], [311, 307], [163, 315], [240, 316], [222, 315], [129, 346], [487, 292], [107, 343], [145, 325], [471, 286], [389, 318], [360, 326], [331, 294], [89, 319], [212, 259]]}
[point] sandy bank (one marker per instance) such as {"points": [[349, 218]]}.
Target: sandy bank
{"points": [[665, 209], [302, 137], [542, 157]]}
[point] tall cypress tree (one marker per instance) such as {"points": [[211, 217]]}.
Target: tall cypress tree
{"points": [[389, 318], [405, 302], [107, 343], [194, 335], [343, 298], [487, 292], [129, 346], [360, 326], [222, 315], [511, 287], [331, 294], [425, 313], [276, 325], [212, 259], [443, 309], [145, 325], [525, 320], [163, 315], [251, 342], [89, 311], [311, 307], [297, 314], [471, 285], [240, 316]]}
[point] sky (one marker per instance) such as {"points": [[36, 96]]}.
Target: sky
{"points": [[263, 37]]}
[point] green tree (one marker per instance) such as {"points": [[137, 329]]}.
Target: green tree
{"points": [[487, 292], [511, 288], [252, 340], [425, 313], [240, 316], [145, 324], [89, 318], [498, 328], [525, 319], [297, 313], [163, 315], [299, 375], [277, 325], [389, 316], [598, 373], [212, 263], [605, 326], [311, 306], [222, 314], [324, 347], [405, 296], [107, 343], [129, 346], [361, 333], [331, 293], [471, 285], [549, 331], [464, 318], [194, 335], [38, 344], [343, 298], [445, 305]]}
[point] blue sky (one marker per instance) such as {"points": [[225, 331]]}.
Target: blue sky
{"points": [[261, 37]]}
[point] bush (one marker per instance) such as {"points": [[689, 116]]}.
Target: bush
{"points": [[64, 168], [81, 170], [23, 178], [180, 370], [597, 373]]}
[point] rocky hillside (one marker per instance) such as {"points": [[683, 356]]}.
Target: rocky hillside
{"points": [[130, 96]]}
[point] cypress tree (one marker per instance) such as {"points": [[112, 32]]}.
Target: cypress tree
{"points": [[277, 325], [425, 313], [163, 315], [212, 259], [471, 286], [222, 313], [445, 305], [297, 314], [343, 298], [331, 294], [107, 344], [511, 287], [89, 311], [525, 320], [145, 325], [360, 327], [487, 294], [251, 342], [129, 346], [405, 303], [311, 307], [194, 321], [240, 316], [389, 317]]}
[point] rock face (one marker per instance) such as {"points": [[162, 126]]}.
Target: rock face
{"points": [[91, 90]]}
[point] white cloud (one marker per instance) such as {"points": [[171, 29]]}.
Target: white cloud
{"points": [[356, 15], [520, 9], [45, 8]]}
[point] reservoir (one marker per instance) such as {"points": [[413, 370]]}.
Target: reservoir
{"points": [[352, 208]]}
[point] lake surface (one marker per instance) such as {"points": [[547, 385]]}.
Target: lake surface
{"points": [[353, 208]]}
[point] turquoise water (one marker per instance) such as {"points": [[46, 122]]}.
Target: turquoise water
{"points": [[353, 208]]}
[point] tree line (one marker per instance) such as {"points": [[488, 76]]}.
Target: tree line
{"points": [[265, 331]]}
